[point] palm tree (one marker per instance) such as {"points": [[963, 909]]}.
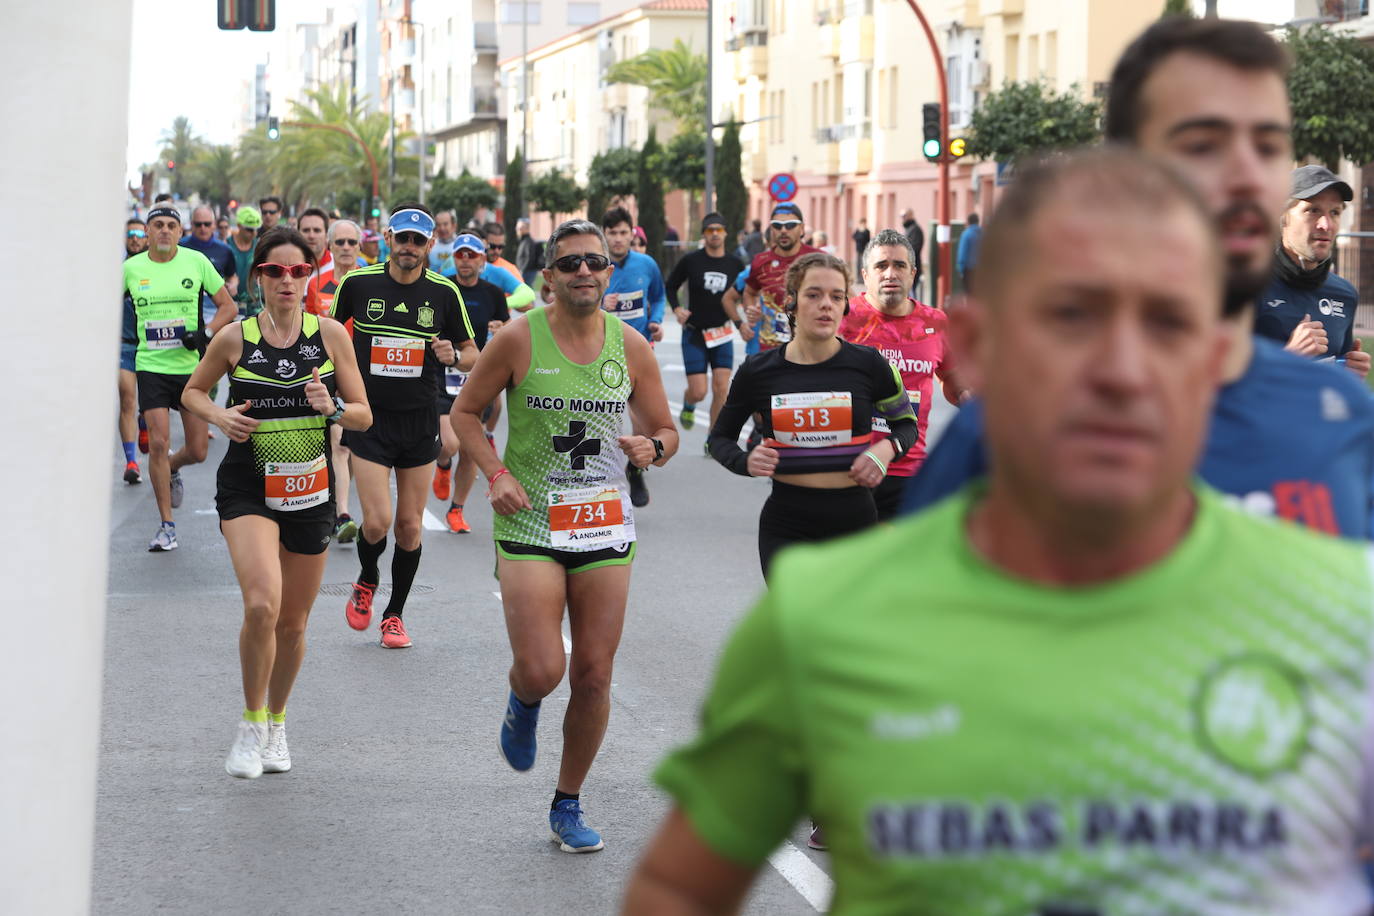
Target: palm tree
{"points": [[180, 145], [211, 175], [675, 78]]}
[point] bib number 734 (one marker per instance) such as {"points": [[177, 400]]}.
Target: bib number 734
{"points": [[586, 518]]}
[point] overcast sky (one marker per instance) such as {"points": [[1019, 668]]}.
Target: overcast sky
{"points": [[184, 65]]}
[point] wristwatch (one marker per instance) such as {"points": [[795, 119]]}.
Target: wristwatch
{"points": [[337, 415], [658, 448]]}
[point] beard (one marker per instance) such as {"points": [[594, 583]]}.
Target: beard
{"points": [[1244, 283]]}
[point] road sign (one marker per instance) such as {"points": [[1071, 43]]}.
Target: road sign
{"points": [[782, 187]]}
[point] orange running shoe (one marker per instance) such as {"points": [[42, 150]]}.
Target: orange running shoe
{"points": [[359, 608], [456, 523], [394, 634], [142, 435], [443, 480]]}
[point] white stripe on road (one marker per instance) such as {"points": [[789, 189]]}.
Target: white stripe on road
{"points": [[673, 367], [432, 522], [804, 875]]}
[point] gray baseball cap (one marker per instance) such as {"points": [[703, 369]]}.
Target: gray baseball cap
{"points": [[1311, 180]]}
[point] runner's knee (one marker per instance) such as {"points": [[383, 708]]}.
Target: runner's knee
{"points": [[538, 676]]}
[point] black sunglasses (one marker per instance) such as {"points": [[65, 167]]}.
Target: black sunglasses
{"points": [[410, 238], [198, 224], [267, 212], [494, 247], [571, 263], [349, 242]]}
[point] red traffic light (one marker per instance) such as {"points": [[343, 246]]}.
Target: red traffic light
{"points": [[171, 165]]}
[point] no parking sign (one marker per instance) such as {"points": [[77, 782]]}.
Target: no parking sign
{"points": [[782, 187]]}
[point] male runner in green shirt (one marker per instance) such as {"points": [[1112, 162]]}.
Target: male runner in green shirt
{"points": [[165, 283], [1095, 689]]}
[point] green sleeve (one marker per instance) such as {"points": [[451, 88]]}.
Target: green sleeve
{"points": [[741, 782], [522, 297], [210, 280]]}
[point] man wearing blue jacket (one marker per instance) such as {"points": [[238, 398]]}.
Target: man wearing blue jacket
{"points": [[637, 296], [1307, 307]]}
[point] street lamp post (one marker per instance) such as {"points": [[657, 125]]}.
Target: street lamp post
{"points": [[942, 226], [710, 189]]}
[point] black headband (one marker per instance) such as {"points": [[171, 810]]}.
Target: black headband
{"points": [[171, 212]]}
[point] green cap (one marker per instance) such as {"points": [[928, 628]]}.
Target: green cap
{"points": [[249, 217]]}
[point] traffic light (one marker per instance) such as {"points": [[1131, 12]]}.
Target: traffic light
{"points": [[930, 120], [171, 165], [273, 129], [377, 212], [256, 15], [958, 148]]}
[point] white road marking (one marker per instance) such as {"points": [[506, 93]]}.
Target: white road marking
{"points": [[673, 367], [804, 875], [206, 511], [496, 595], [432, 522]]}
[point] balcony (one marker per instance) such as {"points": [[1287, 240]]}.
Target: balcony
{"points": [[856, 38], [484, 38], [1002, 7], [828, 32], [485, 103], [751, 60]]}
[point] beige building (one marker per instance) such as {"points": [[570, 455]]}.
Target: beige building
{"points": [[831, 91], [573, 113]]}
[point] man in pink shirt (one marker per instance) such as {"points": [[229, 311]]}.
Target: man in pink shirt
{"points": [[912, 337]]}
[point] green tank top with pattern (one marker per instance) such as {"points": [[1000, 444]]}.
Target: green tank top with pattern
{"points": [[287, 455], [565, 418]]}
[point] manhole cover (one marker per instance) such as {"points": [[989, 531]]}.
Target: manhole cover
{"points": [[344, 589]]}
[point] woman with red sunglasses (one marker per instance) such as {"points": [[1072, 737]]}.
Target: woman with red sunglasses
{"points": [[291, 374]]}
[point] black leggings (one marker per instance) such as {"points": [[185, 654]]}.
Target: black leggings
{"points": [[795, 514]]}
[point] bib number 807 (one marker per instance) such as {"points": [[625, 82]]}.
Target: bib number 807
{"points": [[299, 484]]}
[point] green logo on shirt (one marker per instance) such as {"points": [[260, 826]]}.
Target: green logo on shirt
{"points": [[1252, 713], [426, 316], [612, 374], [376, 308], [186, 283]]}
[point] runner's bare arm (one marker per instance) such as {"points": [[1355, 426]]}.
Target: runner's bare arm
{"points": [[504, 361], [681, 876], [339, 346], [648, 403], [218, 361]]}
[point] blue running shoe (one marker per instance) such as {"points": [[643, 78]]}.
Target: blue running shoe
{"points": [[570, 831], [517, 733]]}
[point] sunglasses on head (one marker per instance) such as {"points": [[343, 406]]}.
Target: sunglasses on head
{"points": [[783, 224], [410, 238], [277, 271], [348, 242], [571, 263]]}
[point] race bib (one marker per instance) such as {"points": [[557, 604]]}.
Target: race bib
{"points": [[781, 328], [453, 381], [590, 517], [164, 335], [296, 485], [880, 424], [630, 308], [813, 419], [715, 337], [398, 357]]}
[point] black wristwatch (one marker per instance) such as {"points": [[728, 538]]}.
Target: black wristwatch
{"points": [[658, 448]]}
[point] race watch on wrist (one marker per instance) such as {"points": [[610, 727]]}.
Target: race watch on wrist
{"points": [[337, 415], [658, 448]]}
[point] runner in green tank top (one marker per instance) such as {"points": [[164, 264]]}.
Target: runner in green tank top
{"points": [[564, 527], [275, 490], [1089, 688]]}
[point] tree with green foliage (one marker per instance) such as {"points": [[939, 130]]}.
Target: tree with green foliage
{"points": [[211, 175], [1331, 90], [515, 192], [681, 163], [555, 193], [1025, 119], [649, 197], [732, 198], [611, 175], [463, 195], [675, 78], [181, 145], [1177, 8]]}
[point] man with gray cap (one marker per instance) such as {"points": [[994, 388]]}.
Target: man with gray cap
{"points": [[1306, 306]]}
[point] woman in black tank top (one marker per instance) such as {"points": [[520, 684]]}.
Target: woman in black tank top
{"points": [[274, 488]]}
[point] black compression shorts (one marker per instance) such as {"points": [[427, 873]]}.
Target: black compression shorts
{"points": [[157, 389]]}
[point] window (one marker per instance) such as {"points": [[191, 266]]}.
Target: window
{"points": [[1012, 61], [1033, 57], [583, 13], [1052, 58], [514, 12]]}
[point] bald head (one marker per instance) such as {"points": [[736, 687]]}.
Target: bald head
{"points": [[203, 223]]}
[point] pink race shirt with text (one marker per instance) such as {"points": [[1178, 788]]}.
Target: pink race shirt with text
{"points": [[918, 347]]}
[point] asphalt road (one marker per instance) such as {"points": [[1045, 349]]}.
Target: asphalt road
{"points": [[398, 799]]}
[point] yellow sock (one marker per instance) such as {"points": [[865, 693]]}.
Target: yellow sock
{"points": [[255, 715]]}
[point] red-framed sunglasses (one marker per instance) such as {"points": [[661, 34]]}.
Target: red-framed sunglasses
{"points": [[277, 271]]}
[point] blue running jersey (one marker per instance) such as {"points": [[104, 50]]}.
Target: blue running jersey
{"points": [[1290, 438], [635, 293]]}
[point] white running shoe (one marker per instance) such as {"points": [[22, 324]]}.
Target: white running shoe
{"points": [[178, 490], [276, 756], [245, 757], [164, 540]]}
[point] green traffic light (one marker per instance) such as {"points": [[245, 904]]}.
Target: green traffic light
{"points": [[376, 212], [932, 148]]}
